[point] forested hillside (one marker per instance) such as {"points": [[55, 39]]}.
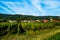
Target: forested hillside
{"points": [[25, 17]]}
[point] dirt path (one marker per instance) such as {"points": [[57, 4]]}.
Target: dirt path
{"points": [[46, 35]]}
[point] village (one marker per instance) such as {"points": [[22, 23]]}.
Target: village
{"points": [[28, 21]]}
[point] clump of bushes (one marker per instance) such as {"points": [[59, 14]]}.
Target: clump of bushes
{"points": [[57, 23]]}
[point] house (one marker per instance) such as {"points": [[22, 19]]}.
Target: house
{"points": [[11, 21], [25, 21], [30, 21], [45, 20], [36, 21], [55, 21]]}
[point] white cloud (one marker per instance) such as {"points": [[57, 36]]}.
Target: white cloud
{"points": [[51, 4], [6, 9], [12, 6], [18, 9], [51, 7], [36, 3]]}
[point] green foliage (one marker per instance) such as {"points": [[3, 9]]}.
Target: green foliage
{"points": [[57, 23], [38, 26]]}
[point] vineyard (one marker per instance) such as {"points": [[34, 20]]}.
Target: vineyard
{"points": [[7, 29]]}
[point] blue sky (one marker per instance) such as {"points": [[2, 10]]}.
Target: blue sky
{"points": [[31, 7]]}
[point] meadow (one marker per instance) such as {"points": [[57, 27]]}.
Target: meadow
{"points": [[54, 37], [28, 31]]}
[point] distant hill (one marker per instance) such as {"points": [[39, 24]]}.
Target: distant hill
{"points": [[26, 17]]}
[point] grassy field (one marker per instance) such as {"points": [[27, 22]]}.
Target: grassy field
{"points": [[54, 37], [28, 31]]}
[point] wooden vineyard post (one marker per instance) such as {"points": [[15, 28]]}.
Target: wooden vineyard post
{"points": [[18, 29], [8, 30]]}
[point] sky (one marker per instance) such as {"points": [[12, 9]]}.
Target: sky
{"points": [[30, 7]]}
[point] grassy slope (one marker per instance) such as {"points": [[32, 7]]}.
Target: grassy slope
{"points": [[31, 35], [54, 37], [46, 35]]}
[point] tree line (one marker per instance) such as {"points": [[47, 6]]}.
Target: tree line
{"points": [[4, 17]]}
